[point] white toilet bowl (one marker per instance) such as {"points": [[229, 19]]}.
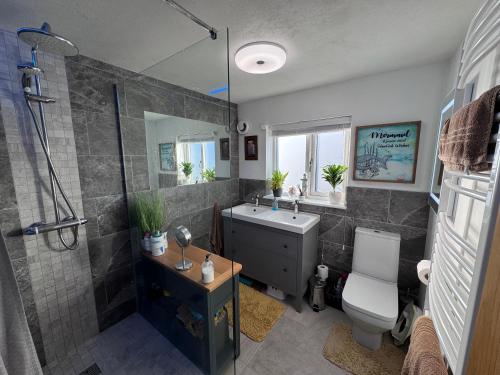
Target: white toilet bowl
{"points": [[370, 296], [372, 306]]}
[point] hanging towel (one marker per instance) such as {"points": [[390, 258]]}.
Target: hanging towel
{"points": [[424, 355], [215, 233], [17, 351], [464, 138]]}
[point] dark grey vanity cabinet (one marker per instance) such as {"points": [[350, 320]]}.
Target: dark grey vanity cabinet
{"points": [[275, 257]]}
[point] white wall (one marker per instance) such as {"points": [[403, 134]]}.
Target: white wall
{"points": [[402, 95]]}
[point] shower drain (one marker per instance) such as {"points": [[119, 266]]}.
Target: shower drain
{"points": [[92, 370]]}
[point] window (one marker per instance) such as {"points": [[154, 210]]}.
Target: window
{"points": [[309, 152], [200, 154]]}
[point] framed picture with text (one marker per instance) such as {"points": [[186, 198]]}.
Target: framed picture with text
{"points": [[167, 157], [387, 152]]}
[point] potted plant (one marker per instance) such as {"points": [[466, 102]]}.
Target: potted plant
{"points": [[187, 168], [276, 182], [208, 174], [150, 216], [334, 175]]}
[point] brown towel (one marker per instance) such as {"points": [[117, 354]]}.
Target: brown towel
{"points": [[424, 355], [215, 233], [464, 139]]}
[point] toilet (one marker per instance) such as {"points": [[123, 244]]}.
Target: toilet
{"points": [[370, 296]]}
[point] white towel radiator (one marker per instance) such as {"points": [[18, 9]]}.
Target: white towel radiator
{"points": [[467, 209]]}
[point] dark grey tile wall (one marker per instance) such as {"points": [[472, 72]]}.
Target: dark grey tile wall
{"points": [[103, 187], [10, 227], [108, 173], [390, 210]]}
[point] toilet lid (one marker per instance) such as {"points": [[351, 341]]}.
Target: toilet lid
{"points": [[370, 296]]}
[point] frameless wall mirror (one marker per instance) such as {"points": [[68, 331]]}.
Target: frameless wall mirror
{"points": [[183, 151], [453, 101]]}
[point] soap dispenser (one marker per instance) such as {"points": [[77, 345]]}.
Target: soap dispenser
{"points": [[275, 204], [207, 270]]}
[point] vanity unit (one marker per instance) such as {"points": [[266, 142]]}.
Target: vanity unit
{"points": [[192, 315], [278, 248]]}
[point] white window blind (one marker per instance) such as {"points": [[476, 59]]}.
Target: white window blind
{"points": [[309, 126]]}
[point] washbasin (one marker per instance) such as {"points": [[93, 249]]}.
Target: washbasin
{"points": [[280, 219], [248, 209]]}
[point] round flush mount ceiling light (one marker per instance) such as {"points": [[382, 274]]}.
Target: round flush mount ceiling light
{"points": [[260, 57]]}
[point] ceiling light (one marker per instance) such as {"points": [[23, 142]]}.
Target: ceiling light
{"points": [[260, 57]]}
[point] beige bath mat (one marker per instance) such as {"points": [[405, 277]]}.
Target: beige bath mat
{"points": [[341, 349], [258, 313]]}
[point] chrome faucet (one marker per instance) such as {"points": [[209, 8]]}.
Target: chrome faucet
{"points": [[296, 207], [257, 200]]}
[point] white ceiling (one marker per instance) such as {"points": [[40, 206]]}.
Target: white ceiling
{"points": [[326, 40]]}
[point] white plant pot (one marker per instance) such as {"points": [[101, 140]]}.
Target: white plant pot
{"points": [[335, 197], [159, 244]]}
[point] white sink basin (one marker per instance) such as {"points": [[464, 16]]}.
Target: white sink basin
{"points": [[281, 219]]}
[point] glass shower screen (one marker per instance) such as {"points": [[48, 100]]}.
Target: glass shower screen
{"points": [[179, 149]]}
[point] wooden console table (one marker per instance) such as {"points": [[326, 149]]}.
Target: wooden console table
{"points": [[192, 315]]}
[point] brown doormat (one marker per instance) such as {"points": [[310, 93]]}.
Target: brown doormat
{"points": [[258, 313], [343, 351]]}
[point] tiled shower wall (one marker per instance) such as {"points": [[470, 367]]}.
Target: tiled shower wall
{"points": [[394, 211], [59, 279], [105, 184]]}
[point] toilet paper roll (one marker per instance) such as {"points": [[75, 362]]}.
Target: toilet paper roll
{"points": [[423, 271], [323, 272]]}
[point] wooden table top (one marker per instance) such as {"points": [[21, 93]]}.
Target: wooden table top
{"points": [[173, 255]]}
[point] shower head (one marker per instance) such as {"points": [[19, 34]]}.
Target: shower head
{"points": [[45, 40]]}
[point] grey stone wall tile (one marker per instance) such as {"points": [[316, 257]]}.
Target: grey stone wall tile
{"points": [[331, 228], [201, 222], [409, 208], [140, 173], [79, 119], [141, 97], [120, 286], [109, 253], [337, 256], [7, 190], [90, 89], [100, 175], [103, 136], [10, 226], [366, 203], [191, 198], [112, 214], [203, 111], [133, 136]]}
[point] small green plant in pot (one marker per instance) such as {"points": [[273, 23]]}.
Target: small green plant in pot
{"points": [[334, 175], [150, 217], [208, 174], [187, 168], [276, 182]]}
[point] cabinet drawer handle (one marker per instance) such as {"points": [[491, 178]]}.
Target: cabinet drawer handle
{"points": [[285, 246]]}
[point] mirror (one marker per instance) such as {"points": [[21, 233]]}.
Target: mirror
{"points": [[183, 151]]}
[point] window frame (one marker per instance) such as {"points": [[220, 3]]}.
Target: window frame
{"points": [[311, 159]]}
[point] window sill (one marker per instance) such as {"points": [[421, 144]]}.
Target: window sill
{"points": [[311, 201]]}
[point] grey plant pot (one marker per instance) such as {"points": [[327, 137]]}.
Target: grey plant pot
{"points": [[277, 192]]}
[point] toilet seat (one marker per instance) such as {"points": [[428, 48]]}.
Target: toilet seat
{"points": [[375, 298]]}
